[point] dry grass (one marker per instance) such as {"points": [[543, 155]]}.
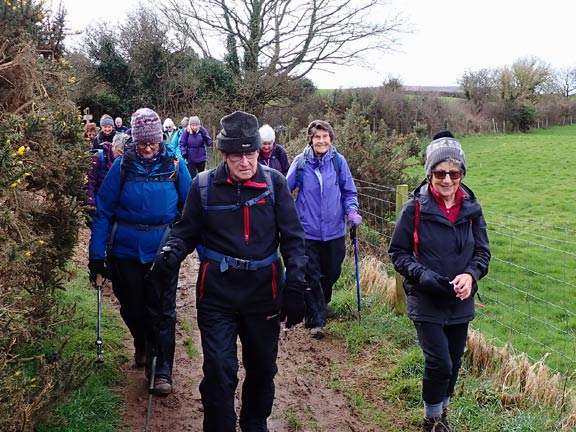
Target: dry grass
{"points": [[519, 382], [374, 280]]}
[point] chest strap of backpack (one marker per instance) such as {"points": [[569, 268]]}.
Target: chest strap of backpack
{"points": [[227, 262], [205, 182]]}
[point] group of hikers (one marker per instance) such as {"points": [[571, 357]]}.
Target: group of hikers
{"points": [[268, 259]]}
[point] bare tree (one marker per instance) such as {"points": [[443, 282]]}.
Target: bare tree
{"points": [[283, 37], [565, 79], [478, 87]]}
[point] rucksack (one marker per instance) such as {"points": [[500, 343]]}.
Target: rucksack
{"points": [[205, 183], [172, 178], [336, 161]]}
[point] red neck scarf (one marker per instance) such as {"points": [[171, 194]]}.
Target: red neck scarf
{"points": [[452, 212]]}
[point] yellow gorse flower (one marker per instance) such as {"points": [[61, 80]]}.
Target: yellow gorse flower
{"points": [[21, 150], [28, 253]]}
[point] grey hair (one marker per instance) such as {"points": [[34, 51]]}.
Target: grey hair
{"points": [[119, 140]]}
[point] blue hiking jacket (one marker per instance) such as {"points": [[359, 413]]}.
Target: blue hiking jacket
{"points": [[135, 209], [323, 200]]}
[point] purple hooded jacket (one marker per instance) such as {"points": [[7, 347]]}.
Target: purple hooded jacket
{"points": [[98, 172], [193, 145], [323, 200]]}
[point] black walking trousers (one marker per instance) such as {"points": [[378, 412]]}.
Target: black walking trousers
{"points": [[131, 289], [443, 347], [258, 333]]}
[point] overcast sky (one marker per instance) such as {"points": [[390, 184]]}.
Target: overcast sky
{"points": [[449, 38]]}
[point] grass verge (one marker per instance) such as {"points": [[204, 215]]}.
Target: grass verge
{"points": [[94, 407], [382, 377]]}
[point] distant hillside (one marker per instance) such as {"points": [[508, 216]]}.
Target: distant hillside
{"points": [[446, 90]]}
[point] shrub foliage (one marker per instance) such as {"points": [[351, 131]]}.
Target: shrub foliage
{"points": [[42, 161]]}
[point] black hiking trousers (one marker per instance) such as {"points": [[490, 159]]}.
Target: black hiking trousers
{"points": [[443, 347], [132, 289], [258, 333], [322, 271]]}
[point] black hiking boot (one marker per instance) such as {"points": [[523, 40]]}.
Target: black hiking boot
{"points": [[139, 355], [435, 425], [444, 418]]}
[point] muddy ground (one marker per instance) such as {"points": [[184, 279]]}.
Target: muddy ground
{"points": [[307, 399]]}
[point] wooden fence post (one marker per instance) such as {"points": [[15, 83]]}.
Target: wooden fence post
{"points": [[400, 303]]}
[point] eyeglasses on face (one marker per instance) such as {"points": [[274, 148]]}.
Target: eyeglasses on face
{"points": [[441, 174], [142, 146], [237, 157]]}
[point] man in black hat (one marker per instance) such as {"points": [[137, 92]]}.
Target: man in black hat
{"points": [[241, 213]]}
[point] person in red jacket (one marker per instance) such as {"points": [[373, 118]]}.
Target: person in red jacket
{"points": [[440, 245]]}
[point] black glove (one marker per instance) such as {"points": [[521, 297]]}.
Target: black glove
{"points": [[166, 262], [96, 267], [293, 306], [434, 283]]}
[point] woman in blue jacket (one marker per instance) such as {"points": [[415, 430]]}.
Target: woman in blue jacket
{"points": [[440, 245], [142, 195], [326, 194]]}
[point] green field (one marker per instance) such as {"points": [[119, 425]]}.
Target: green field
{"points": [[523, 183]]}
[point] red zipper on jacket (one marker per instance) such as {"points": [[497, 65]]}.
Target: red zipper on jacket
{"points": [[274, 283], [202, 280], [246, 224]]}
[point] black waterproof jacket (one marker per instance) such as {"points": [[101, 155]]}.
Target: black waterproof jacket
{"points": [[446, 248], [249, 233]]}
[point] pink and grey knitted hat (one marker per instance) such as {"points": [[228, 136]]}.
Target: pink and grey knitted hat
{"points": [[146, 126]]}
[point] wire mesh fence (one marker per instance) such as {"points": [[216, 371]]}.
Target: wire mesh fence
{"points": [[529, 294]]}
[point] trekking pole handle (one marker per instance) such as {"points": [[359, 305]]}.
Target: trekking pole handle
{"points": [[352, 232], [99, 280]]}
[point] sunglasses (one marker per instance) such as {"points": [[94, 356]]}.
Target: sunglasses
{"points": [[441, 175]]}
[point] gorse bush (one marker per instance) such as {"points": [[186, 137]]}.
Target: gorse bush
{"points": [[43, 164]]}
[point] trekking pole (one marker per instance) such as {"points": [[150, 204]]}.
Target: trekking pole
{"points": [[99, 351], [150, 393], [355, 243], [153, 299]]}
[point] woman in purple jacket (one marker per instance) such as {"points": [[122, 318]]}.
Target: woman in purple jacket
{"points": [[193, 142], [326, 195]]}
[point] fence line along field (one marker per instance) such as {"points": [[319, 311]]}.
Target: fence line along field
{"points": [[523, 183]]}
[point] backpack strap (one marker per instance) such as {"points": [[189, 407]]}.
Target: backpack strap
{"points": [[205, 183], [336, 161], [103, 164], [416, 223], [300, 171]]}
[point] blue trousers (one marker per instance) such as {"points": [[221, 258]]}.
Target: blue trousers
{"points": [[150, 315], [443, 347], [258, 333]]}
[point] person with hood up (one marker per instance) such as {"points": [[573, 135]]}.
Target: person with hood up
{"points": [[241, 212], [440, 245], [106, 133], [193, 142], [271, 153], [326, 197], [142, 195]]}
